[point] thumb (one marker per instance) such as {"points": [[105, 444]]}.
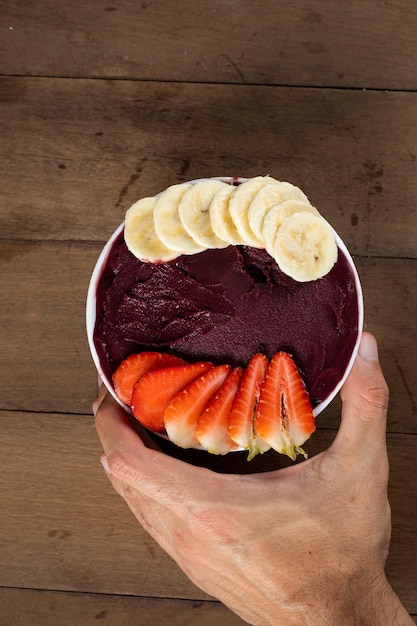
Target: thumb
{"points": [[365, 402]]}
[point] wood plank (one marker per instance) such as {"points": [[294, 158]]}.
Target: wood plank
{"points": [[45, 359], [404, 515], [28, 607], [83, 151], [369, 44], [388, 286], [65, 529]]}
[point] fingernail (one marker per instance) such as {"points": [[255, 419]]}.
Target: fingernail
{"points": [[105, 464], [368, 348]]}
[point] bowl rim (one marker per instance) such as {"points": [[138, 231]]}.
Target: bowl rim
{"points": [[91, 306]]}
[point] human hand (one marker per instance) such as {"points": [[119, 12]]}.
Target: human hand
{"points": [[306, 544]]}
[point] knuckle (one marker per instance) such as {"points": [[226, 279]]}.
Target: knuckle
{"points": [[374, 400], [122, 466], [378, 394]]}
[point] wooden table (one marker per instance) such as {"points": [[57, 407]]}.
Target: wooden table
{"points": [[102, 102]]}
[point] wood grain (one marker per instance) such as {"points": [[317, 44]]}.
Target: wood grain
{"points": [[104, 102], [26, 607], [54, 540], [362, 44], [66, 528], [84, 151]]}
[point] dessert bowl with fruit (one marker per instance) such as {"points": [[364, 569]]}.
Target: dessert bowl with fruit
{"points": [[225, 314]]}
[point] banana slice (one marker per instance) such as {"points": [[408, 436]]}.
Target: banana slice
{"points": [[140, 235], [220, 218], [168, 225], [305, 247], [239, 208], [266, 198], [277, 214], [194, 213]]}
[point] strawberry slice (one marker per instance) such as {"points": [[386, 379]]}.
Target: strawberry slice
{"points": [[211, 429], [182, 413], [137, 365], [155, 390], [284, 417], [241, 419]]}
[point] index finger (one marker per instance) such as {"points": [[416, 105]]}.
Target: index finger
{"points": [[144, 468]]}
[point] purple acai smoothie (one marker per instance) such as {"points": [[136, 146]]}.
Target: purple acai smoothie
{"points": [[225, 305]]}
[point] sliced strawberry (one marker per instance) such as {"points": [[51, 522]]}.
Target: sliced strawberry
{"points": [[241, 418], [284, 417], [155, 390], [182, 413], [137, 365], [211, 429]]}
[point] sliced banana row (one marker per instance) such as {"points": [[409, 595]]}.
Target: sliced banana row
{"points": [[260, 212]]}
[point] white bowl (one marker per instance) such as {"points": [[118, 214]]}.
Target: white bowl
{"points": [[91, 309]]}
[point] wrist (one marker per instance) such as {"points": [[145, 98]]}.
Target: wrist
{"points": [[384, 607], [373, 605]]}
